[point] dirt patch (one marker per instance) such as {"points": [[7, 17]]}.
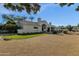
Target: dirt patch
{"points": [[42, 46]]}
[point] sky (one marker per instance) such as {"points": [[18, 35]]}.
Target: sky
{"points": [[51, 13]]}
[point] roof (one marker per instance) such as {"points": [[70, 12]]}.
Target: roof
{"points": [[25, 22], [29, 23]]}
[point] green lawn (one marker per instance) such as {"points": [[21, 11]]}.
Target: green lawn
{"points": [[21, 36]]}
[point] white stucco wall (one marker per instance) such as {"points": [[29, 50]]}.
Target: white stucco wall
{"points": [[30, 29]]}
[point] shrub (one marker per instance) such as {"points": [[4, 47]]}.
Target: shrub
{"points": [[65, 32], [55, 32]]}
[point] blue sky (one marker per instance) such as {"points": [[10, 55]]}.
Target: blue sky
{"points": [[50, 12]]}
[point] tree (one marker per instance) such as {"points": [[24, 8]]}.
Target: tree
{"points": [[77, 25], [11, 27], [28, 7], [10, 24], [62, 27], [7, 17], [31, 7], [68, 4], [69, 27], [53, 28], [65, 4], [13, 18]]}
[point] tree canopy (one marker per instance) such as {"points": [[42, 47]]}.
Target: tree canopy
{"points": [[69, 4], [31, 7], [28, 7]]}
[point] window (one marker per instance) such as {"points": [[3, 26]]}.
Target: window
{"points": [[35, 27]]}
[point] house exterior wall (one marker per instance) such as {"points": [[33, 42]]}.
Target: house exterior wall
{"points": [[30, 29]]}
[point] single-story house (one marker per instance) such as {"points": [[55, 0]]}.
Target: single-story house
{"points": [[34, 27]]}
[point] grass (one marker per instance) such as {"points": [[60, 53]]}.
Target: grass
{"points": [[21, 36]]}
